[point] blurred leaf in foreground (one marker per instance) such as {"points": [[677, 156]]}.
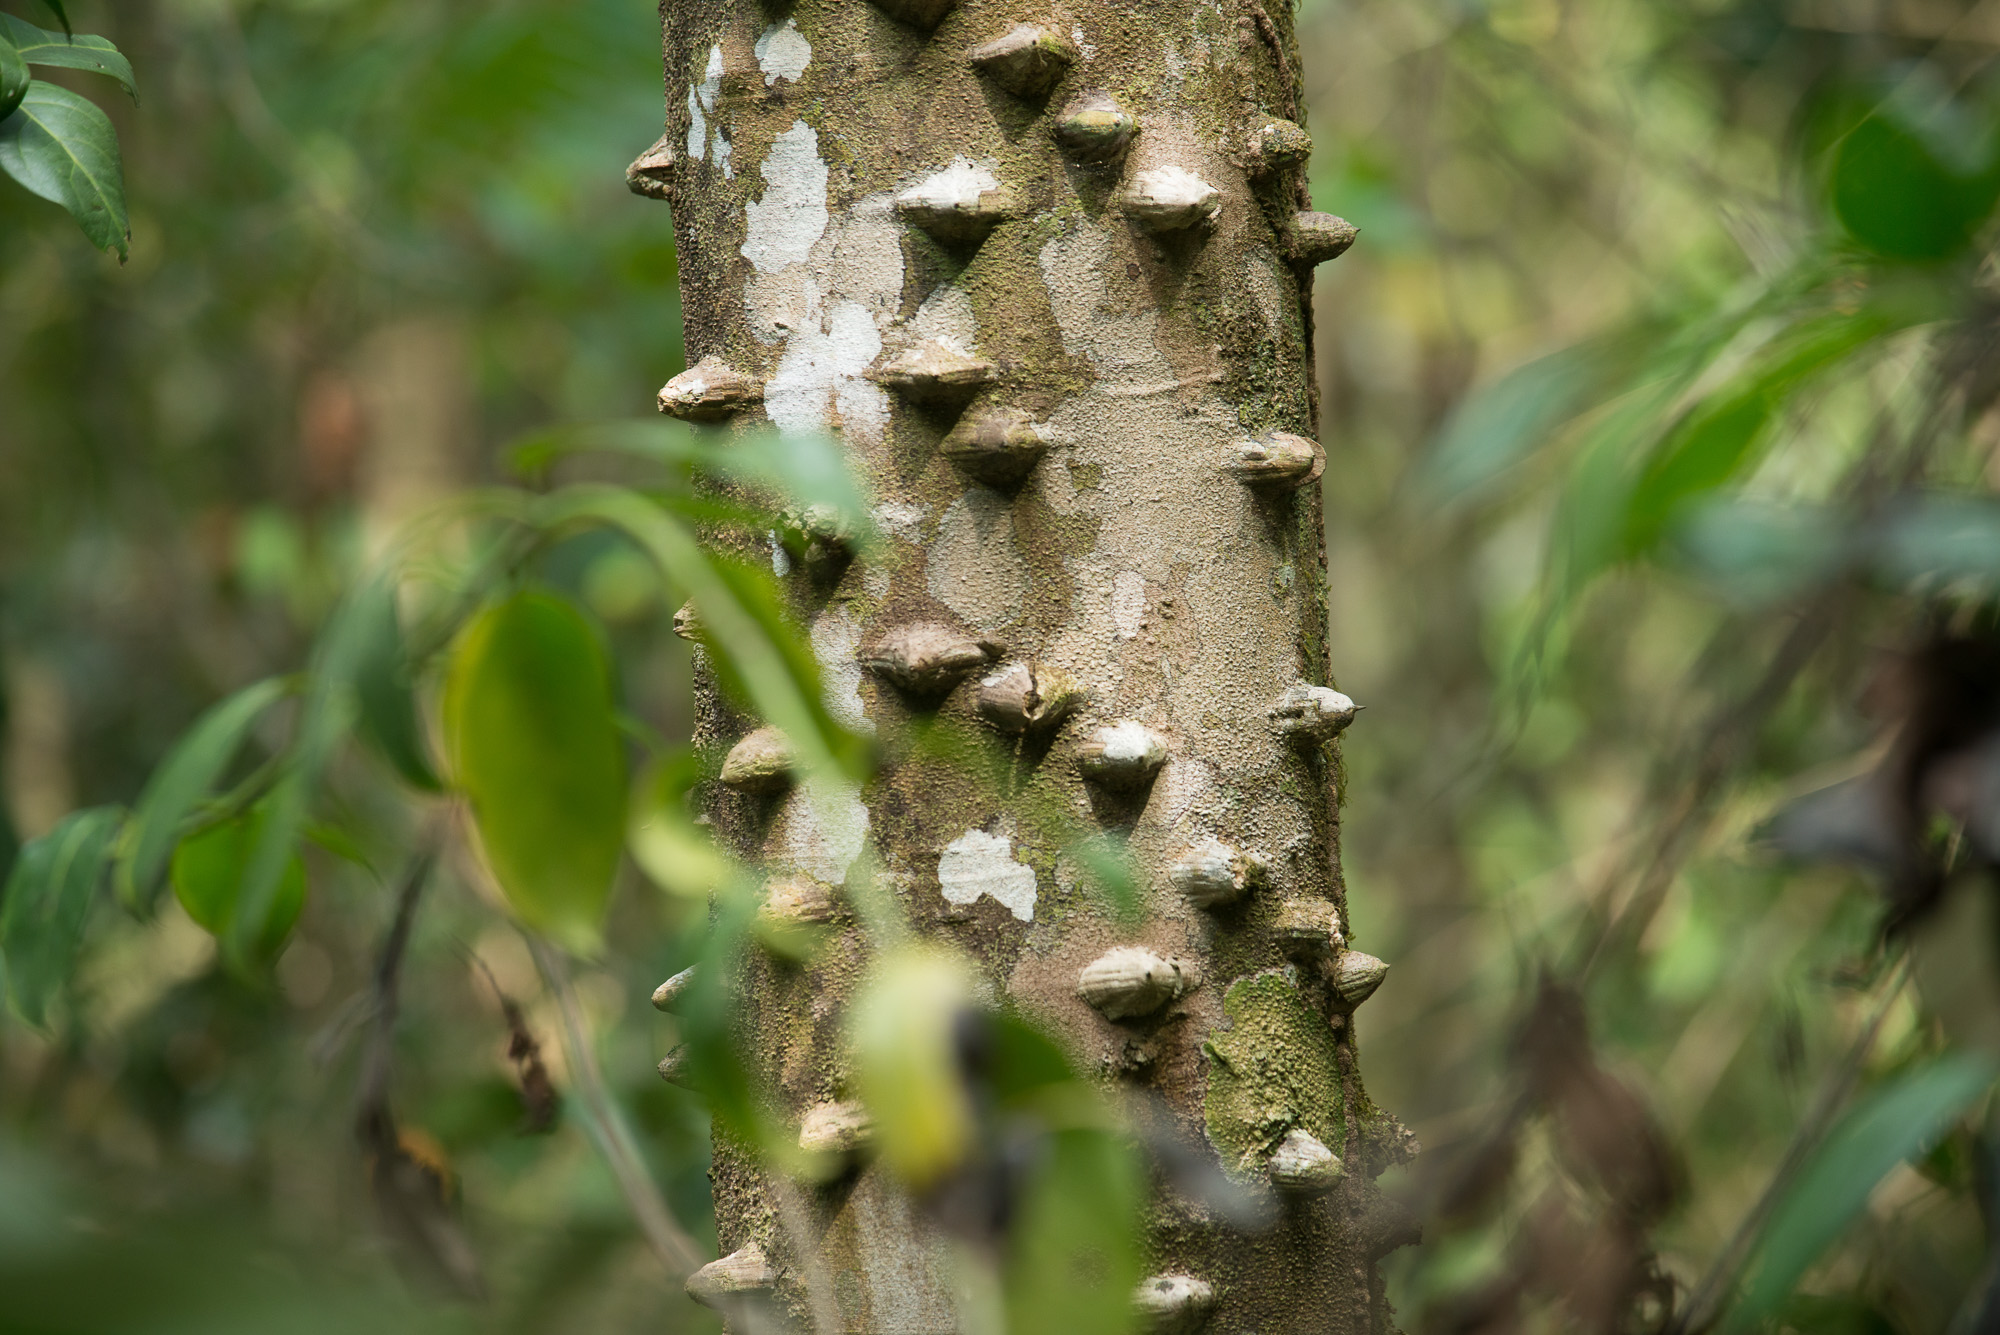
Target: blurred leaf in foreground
{"points": [[676, 853], [902, 1030], [208, 874], [1891, 1125], [534, 742], [178, 786], [388, 718], [48, 901], [1898, 195]]}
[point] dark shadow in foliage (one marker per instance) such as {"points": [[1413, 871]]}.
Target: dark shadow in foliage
{"points": [[1931, 809]]}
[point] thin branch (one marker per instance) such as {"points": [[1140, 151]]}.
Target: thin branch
{"points": [[664, 1234], [373, 1123]]}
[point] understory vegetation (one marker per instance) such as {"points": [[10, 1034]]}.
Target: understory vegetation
{"points": [[1659, 402]]}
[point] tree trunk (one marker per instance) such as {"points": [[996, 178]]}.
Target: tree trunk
{"points": [[1052, 289]]}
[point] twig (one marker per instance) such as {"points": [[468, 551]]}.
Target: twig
{"points": [[669, 1241], [411, 1187], [1703, 1307], [374, 1124]]}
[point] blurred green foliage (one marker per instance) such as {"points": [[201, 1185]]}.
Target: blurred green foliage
{"points": [[1660, 398]]}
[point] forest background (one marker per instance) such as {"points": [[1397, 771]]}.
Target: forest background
{"points": [[1655, 396]]}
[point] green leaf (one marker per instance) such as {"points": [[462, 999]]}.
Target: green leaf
{"points": [[1723, 436], [1073, 1255], [68, 51], [382, 688], [1899, 197], [209, 872], [1893, 1124], [14, 76], [177, 787], [62, 147], [753, 646], [533, 738], [800, 469], [48, 901], [325, 720], [901, 1044], [680, 856], [56, 8], [1711, 448]]}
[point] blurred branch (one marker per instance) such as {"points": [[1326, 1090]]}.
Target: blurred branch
{"points": [[410, 1185]]}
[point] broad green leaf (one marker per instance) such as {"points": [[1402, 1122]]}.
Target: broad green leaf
{"points": [[1710, 449], [183, 779], [534, 745], [14, 76], [901, 1031], [388, 707], [208, 875], [710, 1018], [62, 147], [68, 51], [1896, 195], [325, 721], [48, 901], [680, 856], [1073, 1254], [753, 647], [1724, 436], [1891, 1125]]}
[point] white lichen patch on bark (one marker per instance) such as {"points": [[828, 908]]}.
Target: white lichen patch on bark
{"points": [[977, 863], [782, 227], [800, 254], [820, 374], [782, 52], [836, 640], [973, 568], [822, 831], [704, 136]]}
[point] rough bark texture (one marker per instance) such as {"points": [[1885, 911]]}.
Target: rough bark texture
{"points": [[1111, 327]]}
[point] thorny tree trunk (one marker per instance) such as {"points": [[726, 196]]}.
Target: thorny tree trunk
{"points": [[1054, 295]]}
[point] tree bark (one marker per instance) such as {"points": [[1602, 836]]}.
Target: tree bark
{"points": [[1054, 296]]}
